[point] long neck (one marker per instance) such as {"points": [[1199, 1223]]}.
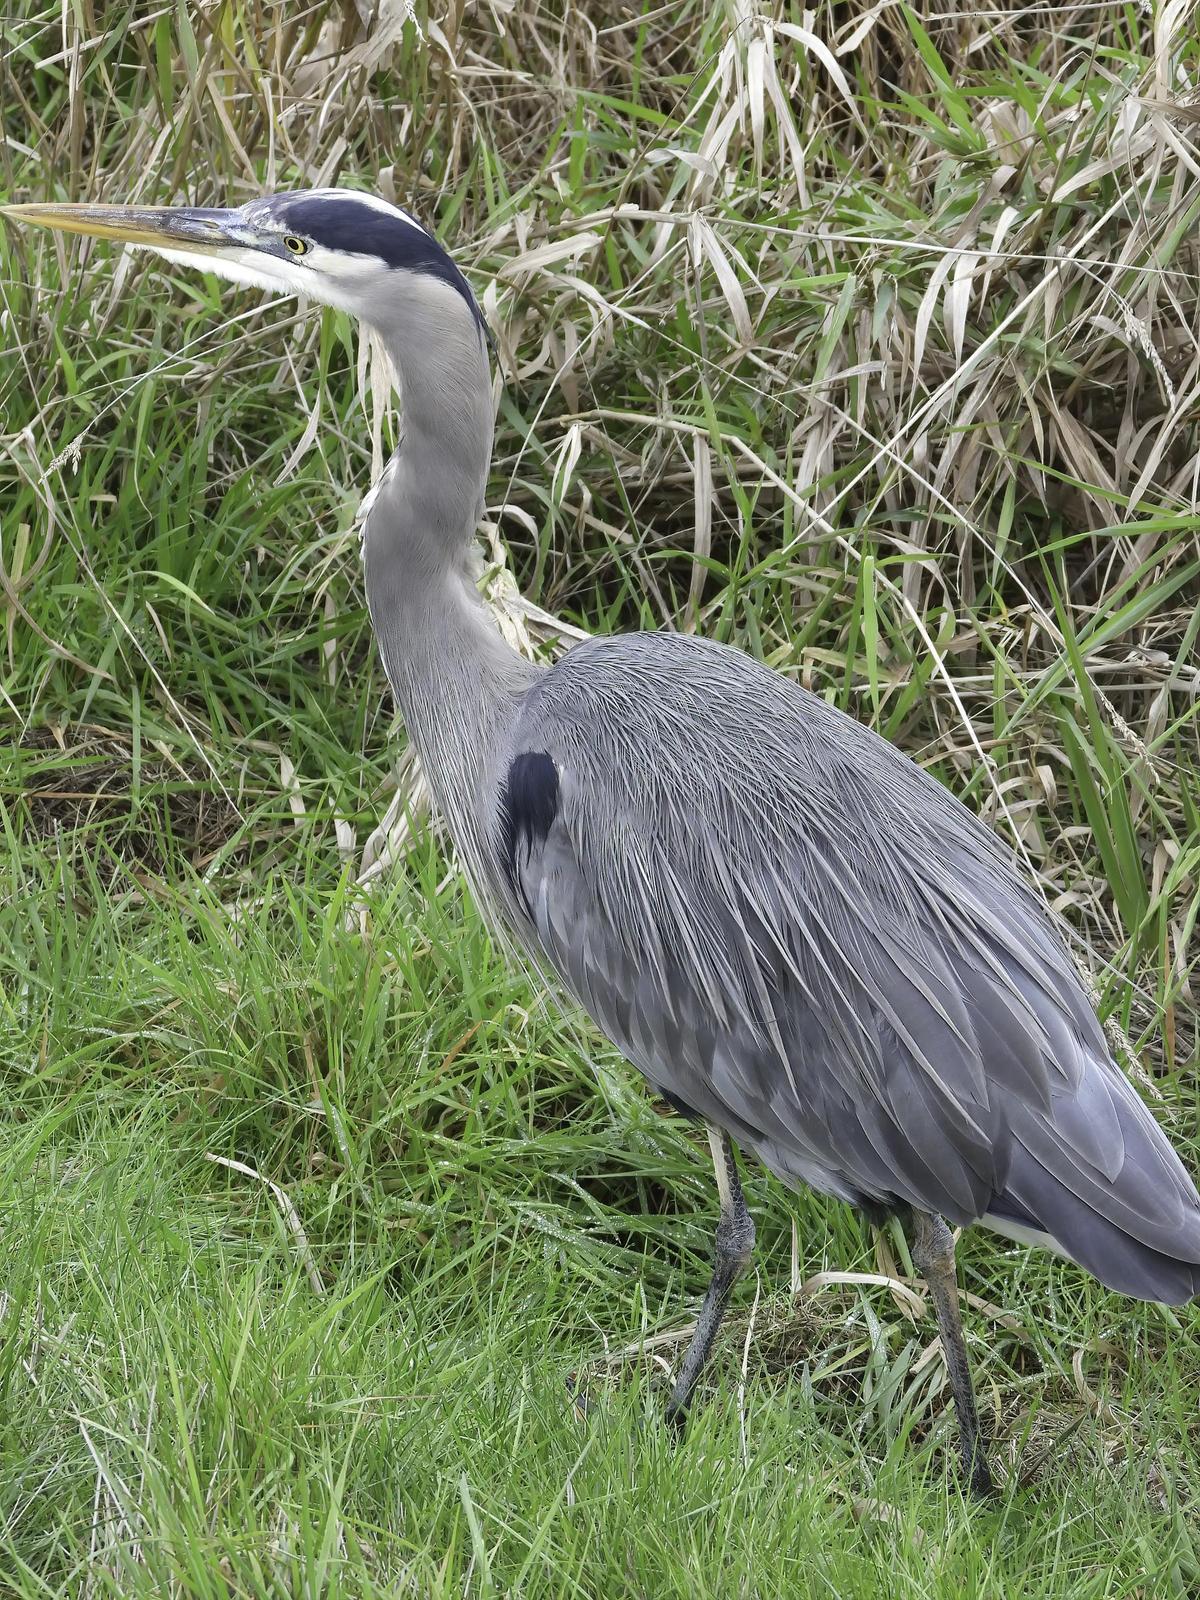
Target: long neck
{"points": [[456, 680]]}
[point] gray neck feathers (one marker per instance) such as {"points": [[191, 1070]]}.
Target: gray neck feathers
{"points": [[456, 680]]}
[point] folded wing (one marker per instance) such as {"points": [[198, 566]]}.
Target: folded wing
{"points": [[798, 935]]}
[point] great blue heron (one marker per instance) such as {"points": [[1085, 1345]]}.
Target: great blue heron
{"points": [[799, 937]]}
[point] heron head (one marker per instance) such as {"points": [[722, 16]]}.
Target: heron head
{"points": [[337, 246]]}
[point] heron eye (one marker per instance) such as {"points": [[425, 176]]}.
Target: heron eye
{"points": [[296, 246]]}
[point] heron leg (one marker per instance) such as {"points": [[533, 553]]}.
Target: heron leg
{"points": [[735, 1243], [933, 1252]]}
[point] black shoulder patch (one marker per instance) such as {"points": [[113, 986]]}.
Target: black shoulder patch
{"points": [[528, 806]]}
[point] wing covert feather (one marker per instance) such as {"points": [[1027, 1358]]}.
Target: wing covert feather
{"points": [[796, 932]]}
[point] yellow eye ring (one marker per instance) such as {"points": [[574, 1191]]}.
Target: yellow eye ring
{"points": [[296, 246]]}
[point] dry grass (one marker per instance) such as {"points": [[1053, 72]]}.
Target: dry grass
{"points": [[848, 306]]}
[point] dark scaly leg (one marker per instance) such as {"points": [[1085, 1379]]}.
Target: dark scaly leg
{"points": [[933, 1252], [735, 1242]]}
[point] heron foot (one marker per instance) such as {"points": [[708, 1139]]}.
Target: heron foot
{"points": [[734, 1247], [578, 1397], [675, 1417], [695, 1357], [933, 1252], [979, 1476]]}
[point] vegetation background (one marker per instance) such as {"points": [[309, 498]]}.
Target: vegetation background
{"points": [[866, 337]]}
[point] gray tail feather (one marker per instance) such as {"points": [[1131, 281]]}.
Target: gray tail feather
{"points": [[1104, 1249], [1138, 1232]]}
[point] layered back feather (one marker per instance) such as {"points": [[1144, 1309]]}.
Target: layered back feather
{"points": [[799, 934]]}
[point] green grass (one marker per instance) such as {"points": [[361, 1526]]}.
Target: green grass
{"points": [[310, 1208], [184, 1410]]}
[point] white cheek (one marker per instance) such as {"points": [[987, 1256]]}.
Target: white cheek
{"points": [[249, 268], [344, 265], [328, 277], [342, 279]]}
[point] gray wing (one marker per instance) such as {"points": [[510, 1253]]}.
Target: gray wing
{"points": [[798, 935]]}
